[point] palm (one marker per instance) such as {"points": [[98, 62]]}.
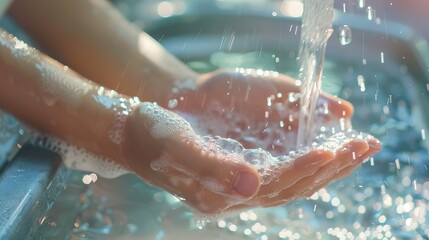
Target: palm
{"points": [[259, 111], [233, 105]]}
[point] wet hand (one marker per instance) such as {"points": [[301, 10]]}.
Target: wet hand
{"points": [[252, 92], [257, 108], [215, 182]]}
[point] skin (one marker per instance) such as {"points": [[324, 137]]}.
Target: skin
{"points": [[120, 57]]}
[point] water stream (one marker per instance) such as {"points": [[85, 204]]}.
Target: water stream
{"points": [[316, 30]]}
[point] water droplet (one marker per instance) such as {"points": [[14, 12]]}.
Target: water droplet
{"points": [[361, 83], [398, 164], [221, 224], [172, 103], [370, 13], [293, 97], [269, 101], [86, 179], [232, 227], [344, 35]]}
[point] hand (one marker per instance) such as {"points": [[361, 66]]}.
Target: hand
{"points": [[256, 108], [212, 181], [247, 91]]}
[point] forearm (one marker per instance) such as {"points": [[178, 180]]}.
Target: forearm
{"points": [[55, 100], [95, 40]]}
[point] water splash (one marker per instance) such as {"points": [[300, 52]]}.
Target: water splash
{"points": [[316, 30], [361, 3], [344, 35], [370, 12]]}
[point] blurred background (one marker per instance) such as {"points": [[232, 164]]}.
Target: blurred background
{"points": [[412, 13]]}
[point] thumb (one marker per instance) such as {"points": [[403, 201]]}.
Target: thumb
{"points": [[202, 159]]}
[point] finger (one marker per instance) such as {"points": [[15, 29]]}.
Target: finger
{"points": [[191, 192], [338, 107], [223, 174], [346, 171], [347, 155], [343, 158], [299, 168], [341, 174], [288, 195], [374, 147], [186, 152], [311, 189], [269, 197], [239, 208], [289, 114]]}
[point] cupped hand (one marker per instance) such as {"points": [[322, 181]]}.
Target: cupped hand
{"points": [[252, 92], [169, 152], [258, 108]]}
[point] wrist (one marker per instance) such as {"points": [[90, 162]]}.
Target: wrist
{"points": [[152, 72], [139, 147], [106, 115]]}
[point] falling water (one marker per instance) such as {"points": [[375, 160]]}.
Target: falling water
{"points": [[316, 30], [344, 35]]}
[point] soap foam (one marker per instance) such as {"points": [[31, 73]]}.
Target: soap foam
{"points": [[78, 158], [162, 124], [277, 154], [122, 107]]}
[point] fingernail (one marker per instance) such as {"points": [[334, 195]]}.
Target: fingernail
{"points": [[245, 184]]}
